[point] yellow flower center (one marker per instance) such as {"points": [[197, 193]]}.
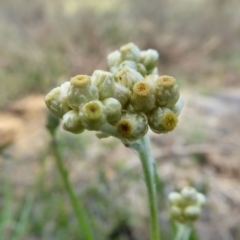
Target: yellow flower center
{"points": [[141, 88], [125, 127], [92, 110], [169, 121], [166, 81], [80, 80]]}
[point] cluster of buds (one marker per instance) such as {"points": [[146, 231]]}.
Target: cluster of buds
{"points": [[186, 206], [130, 98], [129, 55]]}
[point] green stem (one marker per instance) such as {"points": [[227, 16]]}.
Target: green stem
{"points": [[76, 204], [142, 146], [183, 232]]}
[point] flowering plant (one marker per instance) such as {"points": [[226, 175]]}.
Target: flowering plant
{"points": [[122, 103]]}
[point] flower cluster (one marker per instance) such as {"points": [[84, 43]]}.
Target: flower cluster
{"points": [[130, 98], [186, 206]]}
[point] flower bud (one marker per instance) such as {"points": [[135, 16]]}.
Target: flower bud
{"points": [[142, 98], [93, 115], [201, 199], [122, 94], [186, 206], [162, 120], [176, 213], [81, 91], [72, 123], [149, 58], [64, 88], [189, 195], [130, 52], [114, 58], [142, 69], [178, 107], [56, 100], [113, 110], [192, 213], [128, 77], [132, 126], [166, 91], [105, 83], [129, 64], [175, 198]]}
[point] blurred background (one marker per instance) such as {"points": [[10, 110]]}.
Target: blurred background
{"points": [[44, 43]]}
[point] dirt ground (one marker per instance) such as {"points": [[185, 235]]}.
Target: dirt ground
{"points": [[204, 150]]}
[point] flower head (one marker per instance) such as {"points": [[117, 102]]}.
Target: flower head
{"points": [[93, 115], [186, 206], [81, 91], [130, 98], [132, 126]]}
